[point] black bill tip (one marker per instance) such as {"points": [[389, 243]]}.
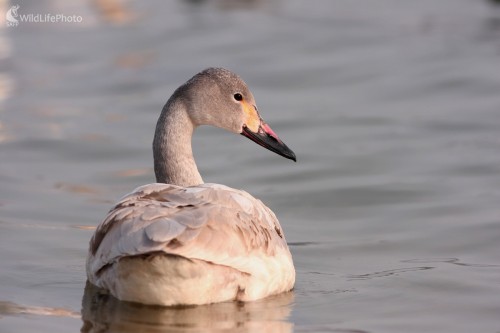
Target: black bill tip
{"points": [[269, 140]]}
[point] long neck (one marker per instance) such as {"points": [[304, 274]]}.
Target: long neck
{"points": [[173, 156]]}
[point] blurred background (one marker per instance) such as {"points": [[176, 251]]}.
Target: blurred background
{"points": [[392, 107]]}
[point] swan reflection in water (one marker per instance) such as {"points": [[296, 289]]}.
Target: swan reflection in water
{"points": [[102, 312]]}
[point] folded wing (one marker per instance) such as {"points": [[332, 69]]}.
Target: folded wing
{"points": [[209, 222]]}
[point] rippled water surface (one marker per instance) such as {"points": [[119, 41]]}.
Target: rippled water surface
{"points": [[392, 107]]}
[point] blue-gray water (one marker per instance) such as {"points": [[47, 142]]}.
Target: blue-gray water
{"points": [[392, 107]]}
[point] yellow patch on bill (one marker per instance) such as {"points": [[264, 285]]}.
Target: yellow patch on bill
{"points": [[252, 117]]}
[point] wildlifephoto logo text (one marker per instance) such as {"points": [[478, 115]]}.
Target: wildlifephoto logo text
{"points": [[13, 18]]}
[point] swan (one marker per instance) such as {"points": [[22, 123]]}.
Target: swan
{"points": [[181, 241]]}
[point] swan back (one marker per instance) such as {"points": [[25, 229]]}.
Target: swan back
{"points": [[209, 222]]}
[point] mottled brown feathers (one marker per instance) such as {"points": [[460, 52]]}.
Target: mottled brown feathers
{"points": [[211, 219]]}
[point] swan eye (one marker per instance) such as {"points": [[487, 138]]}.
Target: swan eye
{"points": [[238, 97]]}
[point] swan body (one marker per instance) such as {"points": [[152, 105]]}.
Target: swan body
{"points": [[184, 242]]}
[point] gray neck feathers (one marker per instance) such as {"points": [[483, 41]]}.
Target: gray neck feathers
{"points": [[173, 156]]}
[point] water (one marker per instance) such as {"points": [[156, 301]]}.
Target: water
{"points": [[392, 107]]}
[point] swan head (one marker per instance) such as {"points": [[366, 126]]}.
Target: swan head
{"points": [[219, 97]]}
